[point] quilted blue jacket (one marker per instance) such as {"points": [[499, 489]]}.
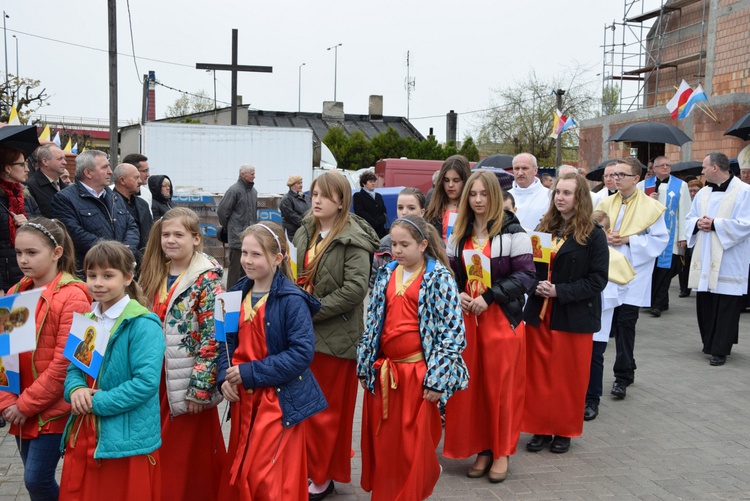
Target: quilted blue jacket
{"points": [[126, 407], [290, 339], [441, 328]]}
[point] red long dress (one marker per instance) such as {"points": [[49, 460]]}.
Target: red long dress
{"points": [[487, 415], [192, 447], [87, 479], [268, 461], [557, 375], [329, 433], [399, 461]]}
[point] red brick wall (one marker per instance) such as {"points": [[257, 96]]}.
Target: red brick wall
{"points": [[732, 60]]}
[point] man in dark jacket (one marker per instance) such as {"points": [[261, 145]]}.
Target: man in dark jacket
{"points": [[45, 182], [238, 210], [294, 206], [91, 211], [128, 185], [370, 205]]}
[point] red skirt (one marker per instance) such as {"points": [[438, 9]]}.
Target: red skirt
{"points": [[329, 433], [268, 460], [488, 414], [87, 479], [193, 453], [558, 366], [399, 461]]}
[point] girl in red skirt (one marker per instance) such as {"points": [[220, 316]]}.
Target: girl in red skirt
{"points": [[264, 370], [443, 208], [563, 311], [181, 283], [110, 442], [486, 418], [408, 360], [334, 249]]}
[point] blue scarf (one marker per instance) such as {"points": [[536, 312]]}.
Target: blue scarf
{"points": [[670, 216]]}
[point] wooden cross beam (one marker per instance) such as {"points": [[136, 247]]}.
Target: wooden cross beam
{"points": [[234, 68]]}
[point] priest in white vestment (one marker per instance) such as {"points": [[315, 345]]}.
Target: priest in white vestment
{"points": [[532, 198]]}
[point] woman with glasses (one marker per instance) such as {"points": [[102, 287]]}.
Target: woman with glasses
{"points": [[15, 207], [563, 311]]}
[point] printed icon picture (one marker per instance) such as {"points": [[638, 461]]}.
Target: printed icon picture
{"points": [[11, 319], [85, 349]]}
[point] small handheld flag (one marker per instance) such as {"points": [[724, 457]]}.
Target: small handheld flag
{"points": [[10, 378], [18, 322], [227, 314], [86, 344], [678, 101], [541, 244], [697, 96]]}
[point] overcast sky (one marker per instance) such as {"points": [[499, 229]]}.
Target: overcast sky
{"points": [[460, 51]]}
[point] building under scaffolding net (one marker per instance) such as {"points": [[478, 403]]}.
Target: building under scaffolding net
{"points": [[657, 44]]}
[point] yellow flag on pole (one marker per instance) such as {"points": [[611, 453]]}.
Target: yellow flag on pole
{"points": [[68, 146], [45, 134], [14, 119]]}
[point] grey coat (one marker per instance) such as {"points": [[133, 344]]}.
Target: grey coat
{"points": [[238, 210]]}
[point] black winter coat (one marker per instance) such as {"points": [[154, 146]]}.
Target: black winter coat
{"points": [[293, 208], [89, 219], [159, 203], [141, 213], [372, 210], [579, 273], [42, 191], [10, 273]]}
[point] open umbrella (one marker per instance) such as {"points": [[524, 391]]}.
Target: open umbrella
{"points": [[597, 172], [500, 161], [690, 167], [504, 177], [740, 129], [20, 137], [651, 132]]}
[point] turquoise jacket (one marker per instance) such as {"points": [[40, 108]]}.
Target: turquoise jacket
{"points": [[126, 407]]}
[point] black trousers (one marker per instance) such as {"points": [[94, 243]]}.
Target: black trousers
{"points": [[661, 279], [718, 321], [234, 270], [594, 391], [623, 324], [685, 270]]}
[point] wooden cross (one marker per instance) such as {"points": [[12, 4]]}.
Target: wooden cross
{"points": [[234, 68]]}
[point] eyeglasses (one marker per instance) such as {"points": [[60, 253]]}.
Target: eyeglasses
{"points": [[620, 175], [662, 165], [19, 164]]}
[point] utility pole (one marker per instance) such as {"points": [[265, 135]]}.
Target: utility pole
{"points": [[335, 66], [558, 142], [112, 18], [299, 89], [5, 36]]}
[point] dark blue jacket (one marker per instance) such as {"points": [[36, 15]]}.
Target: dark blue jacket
{"points": [[89, 219], [291, 345]]}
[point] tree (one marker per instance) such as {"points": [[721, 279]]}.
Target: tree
{"points": [[187, 104], [521, 117], [469, 150], [24, 93], [610, 99]]}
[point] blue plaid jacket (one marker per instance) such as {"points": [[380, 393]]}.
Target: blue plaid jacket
{"points": [[441, 328]]}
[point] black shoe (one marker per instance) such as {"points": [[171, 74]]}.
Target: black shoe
{"points": [[685, 293], [560, 445], [655, 312], [718, 360], [590, 411], [538, 442], [322, 495], [618, 390]]}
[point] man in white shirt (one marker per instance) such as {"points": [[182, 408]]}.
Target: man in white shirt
{"points": [[674, 194], [718, 229], [532, 198]]}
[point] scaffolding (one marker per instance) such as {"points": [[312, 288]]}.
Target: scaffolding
{"points": [[652, 37]]}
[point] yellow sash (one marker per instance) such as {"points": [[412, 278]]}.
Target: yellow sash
{"points": [[620, 270], [388, 378], [642, 212]]}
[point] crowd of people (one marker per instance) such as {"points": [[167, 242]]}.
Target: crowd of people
{"points": [[468, 332]]}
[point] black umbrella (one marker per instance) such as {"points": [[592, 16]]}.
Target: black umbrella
{"points": [[740, 129], [504, 177], [651, 132], [500, 161], [688, 168], [597, 172], [20, 137]]}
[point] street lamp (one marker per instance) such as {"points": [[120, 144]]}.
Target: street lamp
{"points": [[5, 37], [299, 89], [335, 66], [18, 75]]}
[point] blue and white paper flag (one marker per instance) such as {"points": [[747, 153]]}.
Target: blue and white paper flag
{"points": [[227, 314], [86, 344], [10, 379], [18, 322]]}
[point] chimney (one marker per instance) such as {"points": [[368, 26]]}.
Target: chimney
{"points": [[151, 96], [376, 108], [451, 126], [333, 110]]}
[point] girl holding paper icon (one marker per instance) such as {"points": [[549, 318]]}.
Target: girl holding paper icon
{"points": [[46, 256], [111, 440], [563, 311], [264, 370], [181, 284], [443, 208], [486, 418]]}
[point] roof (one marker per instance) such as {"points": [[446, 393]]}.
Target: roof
{"points": [[320, 125]]}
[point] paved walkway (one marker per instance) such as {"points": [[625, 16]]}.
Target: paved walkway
{"points": [[683, 432]]}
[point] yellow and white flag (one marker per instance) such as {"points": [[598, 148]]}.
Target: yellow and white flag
{"points": [[46, 134], [14, 119], [68, 146]]}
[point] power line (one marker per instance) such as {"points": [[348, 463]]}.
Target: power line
{"points": [[191, 66], [187, 93], [132, 42]]}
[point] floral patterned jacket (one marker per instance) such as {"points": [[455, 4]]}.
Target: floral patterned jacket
{"points": [[441, 327], [190, 356]]}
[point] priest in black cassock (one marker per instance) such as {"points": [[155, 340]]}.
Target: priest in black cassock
{"points": [[370, 205]]}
